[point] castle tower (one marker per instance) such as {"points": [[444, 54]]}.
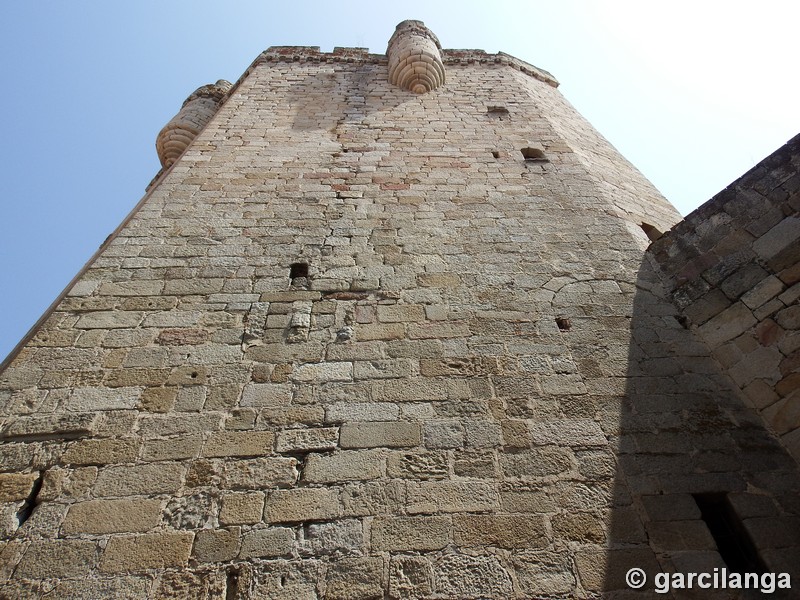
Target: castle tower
{"points": [[384, 327]]}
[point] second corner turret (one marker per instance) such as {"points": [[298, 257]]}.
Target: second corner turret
{"points": [[415, 59], [194, 115]]}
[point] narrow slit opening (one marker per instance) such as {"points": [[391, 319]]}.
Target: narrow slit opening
{"points": [[27, 508], [232, 584], [733, 542]]}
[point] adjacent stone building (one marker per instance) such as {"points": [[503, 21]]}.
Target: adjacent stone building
{"points": [[389, 327]]}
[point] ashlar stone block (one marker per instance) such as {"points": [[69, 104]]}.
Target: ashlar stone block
{"points": [[451, 496], [267, 543], [410, 533], [305, 440], [240, 508], [376, 434], [346, 465], [216, 545], [355, 578], [503, 531], [49, 559], [239, 443], [16, 486], [302, 504], [464, 576], [156, 478], [113, 516], [146, 551], [260, 473], [102, 451]]}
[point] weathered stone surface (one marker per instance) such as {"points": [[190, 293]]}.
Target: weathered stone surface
{"points": [[304, 440], [46, 559], [239, 443], [451, 496], [481, 464], [190, 511], [241, 508], [302, 504], [543, 572], [444, 434], [361, 411], [386, 434], [503, 531], [146, 551], [355, 579], [266, 394], [267, 543], [51, 426], [373, 498], [410, 576], [91, 399], [175, 448], [728, 324], [119, 588], [160, 399], [216, 545], [357, 344], [258, 473], [410, 533], [539, 462], [322, 372], [605, 570], [113, 516], [160, 478], [338, 538], [184, 584], [345, 465], [579, 432], [579, 527], [417, 465], [16, 486], [109, 320], [151, 426], [101, 452], [463, 576]]}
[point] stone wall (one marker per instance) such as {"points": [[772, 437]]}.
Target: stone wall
{"points": [[732, 268], [355, 344]]}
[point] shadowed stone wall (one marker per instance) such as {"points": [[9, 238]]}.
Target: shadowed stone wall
{"points": [[732, 267]]}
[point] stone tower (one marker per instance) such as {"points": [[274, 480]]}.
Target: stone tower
{"points": [[386, 326]]}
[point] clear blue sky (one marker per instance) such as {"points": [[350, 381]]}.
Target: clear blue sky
{"points": [[693, 93]]}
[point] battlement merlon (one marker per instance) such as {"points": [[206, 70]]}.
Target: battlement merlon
{"points": [[354, 55], [414, 58]]}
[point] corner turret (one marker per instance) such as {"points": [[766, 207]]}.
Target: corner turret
{"points": [[415, 60], [194, 115]]}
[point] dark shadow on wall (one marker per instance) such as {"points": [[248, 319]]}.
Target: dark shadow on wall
{"points": [[686, 441]]}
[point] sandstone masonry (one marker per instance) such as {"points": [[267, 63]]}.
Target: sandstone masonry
{"points": [[388, 327]]}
